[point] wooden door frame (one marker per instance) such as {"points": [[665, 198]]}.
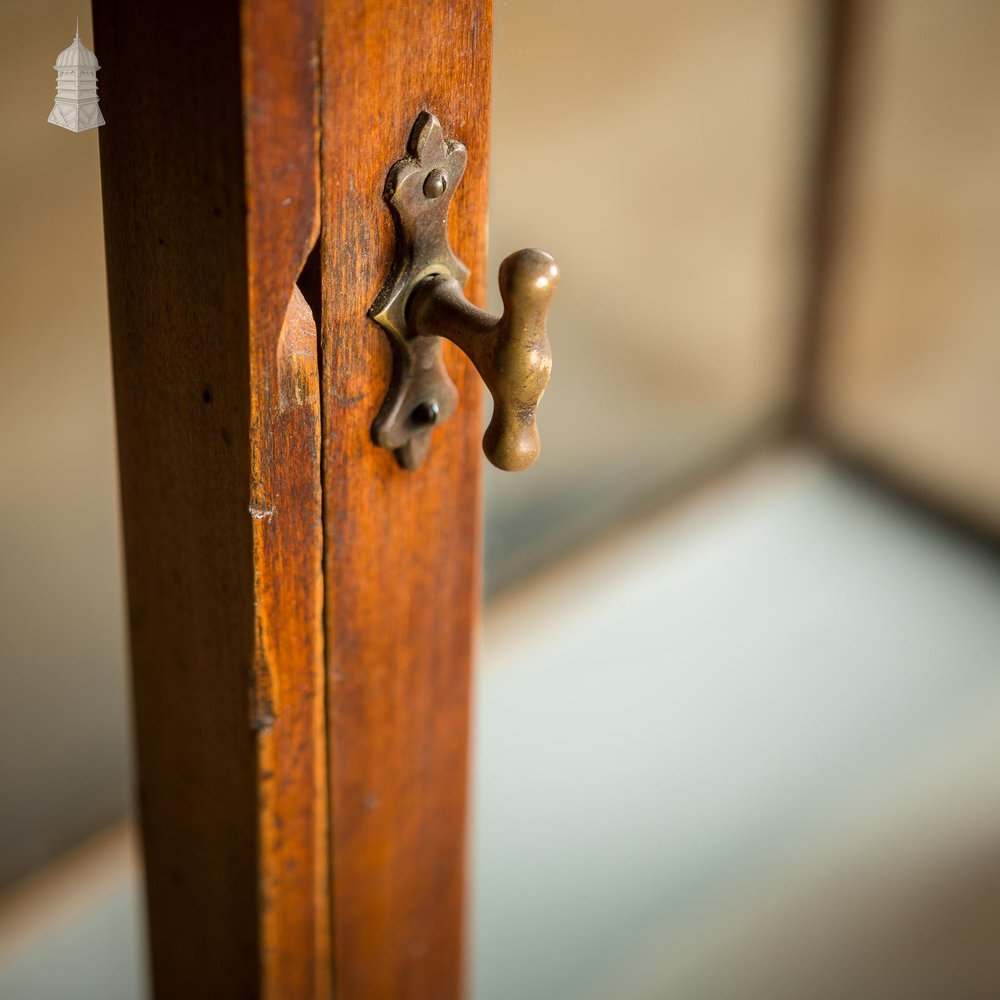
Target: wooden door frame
{"points": [[301, 610]]}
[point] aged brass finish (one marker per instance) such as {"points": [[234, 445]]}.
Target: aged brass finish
{"points": [[423, 301], [511, 352]]}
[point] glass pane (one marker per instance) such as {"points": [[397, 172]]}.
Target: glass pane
{"points": [[658, 152], [911, 347]]}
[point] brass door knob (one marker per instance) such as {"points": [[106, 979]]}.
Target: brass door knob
{"points": [[511, 352], [423, 301]]}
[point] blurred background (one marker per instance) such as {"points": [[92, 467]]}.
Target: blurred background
{"points": [[738, 709]]}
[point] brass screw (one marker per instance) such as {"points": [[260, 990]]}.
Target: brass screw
{"points": [[426, 414], [435, 183]]}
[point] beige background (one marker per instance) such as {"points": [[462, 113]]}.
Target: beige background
{"points": [[659, 151], [63, 752], [912, 369]]}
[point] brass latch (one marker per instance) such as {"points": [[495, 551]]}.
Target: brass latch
{"points": [[423, 301]]}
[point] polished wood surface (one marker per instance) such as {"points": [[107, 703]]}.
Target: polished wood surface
{"points": [[210, 199], [281, 116], [211, 167], [402, 548]]}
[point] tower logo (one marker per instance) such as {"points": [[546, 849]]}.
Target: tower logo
{"points": [[76, 106]]}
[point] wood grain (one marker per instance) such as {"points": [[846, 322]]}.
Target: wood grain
{"points": [[210, 198], [210, 182], [402, 548], [280, 60]]}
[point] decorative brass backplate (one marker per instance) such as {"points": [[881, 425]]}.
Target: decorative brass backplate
{"points": [[423, 302], [419, 190]]}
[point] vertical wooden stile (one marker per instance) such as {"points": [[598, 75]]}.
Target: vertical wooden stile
{"points": [[210, 181], [301, 610], [402, 548]]}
